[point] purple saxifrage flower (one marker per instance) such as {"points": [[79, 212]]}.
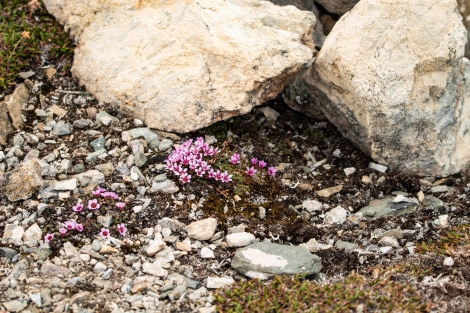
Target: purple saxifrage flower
{"points": [[78, 207], [250, 171], [235, 159], [62, 231], [271, 171], [120, 205], [254, 161], [104, 233], [122, 229], [48, 237], [93, 204], [261, 163], [70, 225], [79, 227]]}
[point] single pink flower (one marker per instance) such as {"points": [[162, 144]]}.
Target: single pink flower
{"points": [[93, 204], [250, 171], [70, 225], [271, 171], [62, 231], [225, 177], [254, 161], [120, 205], [104, 233], [211, 173], [78, 207], [235, 159], [79, 227], [48, 237], [185, 178], [261, 163], [122, 229], [218, 175], [98, 191], [110, 194]]}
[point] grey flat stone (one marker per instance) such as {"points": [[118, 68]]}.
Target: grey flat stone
{"points": [[386, 207], [265, 259]]}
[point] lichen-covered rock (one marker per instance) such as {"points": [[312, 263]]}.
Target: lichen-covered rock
{"points": [[24, 181], [394, 81], [182, 65]]}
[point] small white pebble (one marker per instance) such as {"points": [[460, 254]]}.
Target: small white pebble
{"points": [[448, 261]]}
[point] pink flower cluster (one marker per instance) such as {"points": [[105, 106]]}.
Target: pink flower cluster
{"points": [[93, 204], [189, 158], [255, 163]]}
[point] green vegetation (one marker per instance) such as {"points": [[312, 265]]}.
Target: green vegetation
{"points": [[355, 293], [27, 34], [456, 238]]}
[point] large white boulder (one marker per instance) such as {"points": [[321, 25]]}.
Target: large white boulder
{"points": [[181, 65], [391, 76]]}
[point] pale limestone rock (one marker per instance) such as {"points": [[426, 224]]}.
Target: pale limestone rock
{"points": [[394, 82], [33, 233], [182, 65], [214, 282], [155, 246], [336, 215], [13, 234], [203, 229], [24, 181], [240, 239]]}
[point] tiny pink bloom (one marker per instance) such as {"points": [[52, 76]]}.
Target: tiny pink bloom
{"points": [[250, 170], [110, 194], [218, 175], [120, 205], [211, 173], [254, 161], [226, 177], [98, 191], [48, 237], [235, 159], [79, 227], [122, 229], [104, 233], [93, 204], [62, 231], [200, 172], [185, 178], [261, 163], [271, 171], [78, 207], [69, 225]]}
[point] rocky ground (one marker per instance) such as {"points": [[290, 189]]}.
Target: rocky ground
{"points": [[315, 200]]}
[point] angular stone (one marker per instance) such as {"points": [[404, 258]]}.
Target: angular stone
{"points": [[207, 253], [346, 246], [33, 233], [395, 83], [155, 246], [389, 241], [154, 269], [69, 184], [225, 56], [24, 181], [328, 192], [51, 269], [312, 205], [15, 305], [336, 215], [13, 234], [14, 104], [203, 229], [265, 259], [7, 253]]}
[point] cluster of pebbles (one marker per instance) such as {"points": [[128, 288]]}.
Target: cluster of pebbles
{"points": [[71, 144]]}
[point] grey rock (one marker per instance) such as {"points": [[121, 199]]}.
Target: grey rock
{"points": [[105, 220], [172, 224], [155, 246], [386, 207], [396, 233], [432, 203], [36, 299], [154, 268], [94, 176], [93, 157], [346, 246], [106, 119], [50, 269], [15, 305], [140, 159], [311, 205], [207, 253], [33, 233], [264, 259], [165, 144], [81, 123], [141, 132], [389, 241], [378, 167], [62, 129], [63, 185], [43, 253], [167, 186], [7, 253], [98, 143], [24, 181], [160, 178]]}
